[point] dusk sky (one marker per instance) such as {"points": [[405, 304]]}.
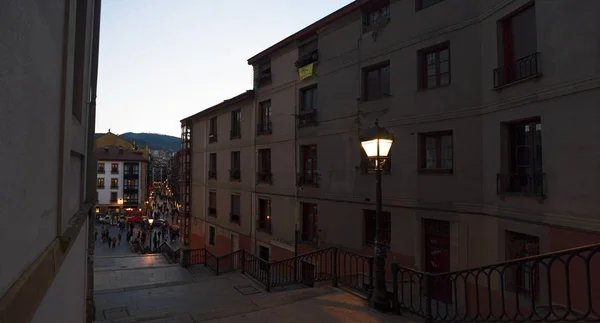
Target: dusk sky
{"points": [[164, 60]]}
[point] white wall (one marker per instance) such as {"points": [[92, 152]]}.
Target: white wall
{"points": [[104, 194], [65, 300]]}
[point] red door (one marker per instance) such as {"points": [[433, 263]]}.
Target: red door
{"points": [[437, 257]]}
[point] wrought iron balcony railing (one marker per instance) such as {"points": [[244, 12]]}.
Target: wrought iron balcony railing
{"points": [[212, 174], [235, 218], [114, 171], [521, 184], [307, 179], [307, 58], [264, 128], [235, 175], [114, 187], [212, 138], [212, 211], [100, 171], [307, 118], [235, 133], [525, 67], [264, 177]]}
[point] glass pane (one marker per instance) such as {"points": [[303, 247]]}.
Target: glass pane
{"points": [[444, 67], [446, 163], [430, 58], [446, 142], [444, 55], [431, 82], [314, 98], [522, 156], [373, 90], [385, 80], [430, 143], [431, 70], [519, 135], [445, 79]]}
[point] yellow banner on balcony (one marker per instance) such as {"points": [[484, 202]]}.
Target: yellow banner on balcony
{"points": [[305, 71]]}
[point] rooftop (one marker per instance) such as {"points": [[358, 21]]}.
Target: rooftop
{"points": [[119, 154], [249, 94]]}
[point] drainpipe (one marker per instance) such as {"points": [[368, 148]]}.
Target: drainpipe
{"points": [[90, 196]]}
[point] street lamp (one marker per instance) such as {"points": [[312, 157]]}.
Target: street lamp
{"points": [[376, 142], [150, 221]]}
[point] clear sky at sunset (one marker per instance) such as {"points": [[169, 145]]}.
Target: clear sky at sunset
{"points": [[164, 60]]}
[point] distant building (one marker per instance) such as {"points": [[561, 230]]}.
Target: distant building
{"points": [[122, 180]]}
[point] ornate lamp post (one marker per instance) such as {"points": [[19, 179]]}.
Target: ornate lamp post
{"points": [[376, 142]]}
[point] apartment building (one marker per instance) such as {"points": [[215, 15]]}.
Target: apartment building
{"points": [[491, 105], [48, 64], [121, 184]]}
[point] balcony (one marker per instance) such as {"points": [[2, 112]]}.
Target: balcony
{"points": [[114, 171], [264, 177], [521, 184], [263, 224], [212, 211], [212, 174], [264, 78], [264, 128], [130, 202], [235, 175], [100, 186], [130, 188], [114, 186], [307, 179], [101, 170], [307, 118], [235, 133], [212, 138], [521, 69], [308, 58], [131, 175], [234, 218]]}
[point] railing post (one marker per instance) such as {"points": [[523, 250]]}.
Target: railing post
{"points": [[395, 303], [205, 258], [430, 288], [370, 293], [334, 268], [243, 260], [268, 287], [184, 259], [217, 260]]}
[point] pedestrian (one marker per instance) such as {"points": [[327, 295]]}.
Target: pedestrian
{"points": [[114, 242], [108, 237], [119, 238], [96, 236]]}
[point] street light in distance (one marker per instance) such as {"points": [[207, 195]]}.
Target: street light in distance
{"points": [[377, 142]]}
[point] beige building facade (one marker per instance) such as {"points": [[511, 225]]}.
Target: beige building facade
{"points": [[493, 109], [48, 73]]}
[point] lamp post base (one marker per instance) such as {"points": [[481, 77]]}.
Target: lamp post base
{"points": [[380, 303]]}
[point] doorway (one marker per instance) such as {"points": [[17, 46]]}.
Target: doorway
{"points": [[437, 257]]}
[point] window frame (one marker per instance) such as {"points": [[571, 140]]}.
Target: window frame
{"points": [[264, 165], [114, 183], [100, 182], [113, 169], [212, 235], [235, 172], [379, 67], [238, 212], [423, 67], [370, 9], [212, 129], [212, 166], [313, 89], [101, 168], [312, 235], [236, 124], [116, 194], [264, 221], [309, 152], [264, 113], [423, 152], [212, 208]]}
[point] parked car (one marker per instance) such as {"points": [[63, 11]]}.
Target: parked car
{"points": [[105, 219]]}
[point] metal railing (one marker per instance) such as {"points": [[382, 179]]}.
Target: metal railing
{"points": [[264, 128], [520, 69], [171, 254], [521, 184], [554, 287], [331, 264]]}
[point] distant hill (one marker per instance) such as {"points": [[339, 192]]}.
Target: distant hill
{"points": [[154, 140]]}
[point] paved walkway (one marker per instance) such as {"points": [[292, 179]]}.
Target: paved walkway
{"points": [[134, 288]]}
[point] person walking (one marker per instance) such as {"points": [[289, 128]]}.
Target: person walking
{"points": [[114, 242], [119, 239]]}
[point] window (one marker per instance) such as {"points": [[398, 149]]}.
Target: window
{"points": [[525, 162], [236, 124], [523, 278], [264, 215], [370, 228], [235, 172], [436, 152], [212, 235], [517, 47], [131, 169], [212, 203], [234, 216], [309, 99], [114, 168], [131, 184], [264, 73], [212, 130], [422, 4], [212, 166], [100, 183], [130, 198], [264, 166], [377, 14], [114, 183], [264, 118], [434, 66], [309, 222], [376, 82], [308, 53], [113, 197], [308, 165], [79, 68], [100, 168]]}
